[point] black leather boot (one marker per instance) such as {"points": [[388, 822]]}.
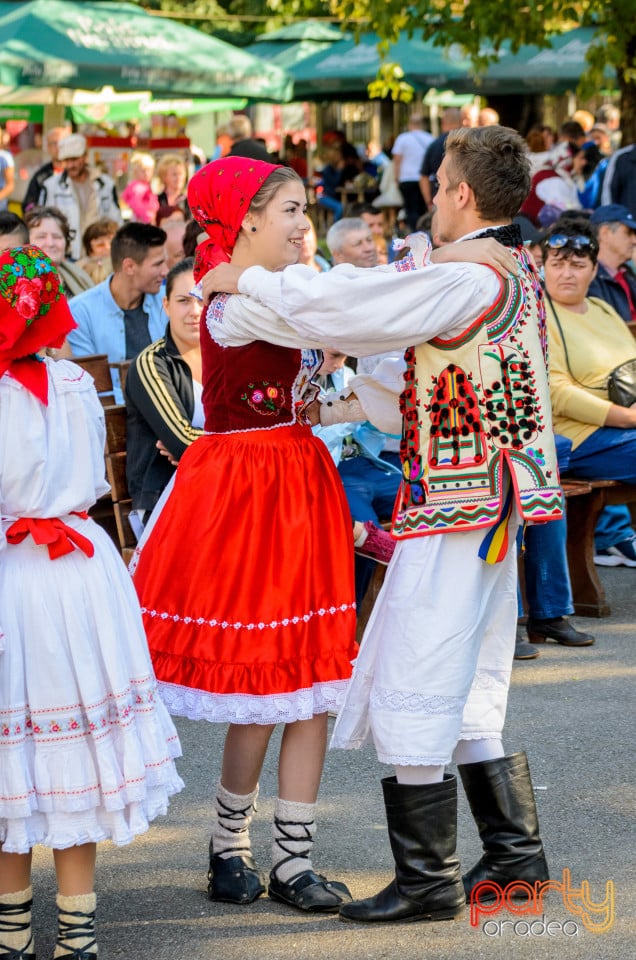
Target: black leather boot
{"points": [[422, 822], [502, 802]]}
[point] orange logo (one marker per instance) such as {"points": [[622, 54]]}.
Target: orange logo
{"points": [[522, 899]]}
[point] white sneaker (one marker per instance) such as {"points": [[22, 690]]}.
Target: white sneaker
{"points": [[622, 554]]}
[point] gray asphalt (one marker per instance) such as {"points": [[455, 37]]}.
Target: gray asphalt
{"points": [[571, 710]]}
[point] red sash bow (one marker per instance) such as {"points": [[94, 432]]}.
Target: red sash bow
{"points": [[53, 533]]}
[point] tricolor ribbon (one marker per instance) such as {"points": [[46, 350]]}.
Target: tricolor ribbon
{"points": [[494, 546]]}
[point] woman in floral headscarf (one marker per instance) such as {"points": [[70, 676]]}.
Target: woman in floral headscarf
{"points": [[246, 576], [86, 746]]}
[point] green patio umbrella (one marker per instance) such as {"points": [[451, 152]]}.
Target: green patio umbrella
{"points": [[345, 69], [88, 45], [290, 45], [555, 69]]}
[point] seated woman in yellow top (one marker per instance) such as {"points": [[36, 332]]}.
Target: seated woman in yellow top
{"points": [[587, 339]]}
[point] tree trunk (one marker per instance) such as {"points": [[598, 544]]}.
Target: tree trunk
{"points": [[628, 97]]}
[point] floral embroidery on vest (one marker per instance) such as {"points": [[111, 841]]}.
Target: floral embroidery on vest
{"points": [[511, 402], [412, 489], [265, 398], [466, 420], [458, 439], [456, 430]]}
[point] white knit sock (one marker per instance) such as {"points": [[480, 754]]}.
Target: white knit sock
{"points": [[15, 919], [419, 775], [231, 832], [293, 835], [76, 917], [476, 751]]}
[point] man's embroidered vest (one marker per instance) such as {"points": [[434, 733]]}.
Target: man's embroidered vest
{"points": [[473, 405]]}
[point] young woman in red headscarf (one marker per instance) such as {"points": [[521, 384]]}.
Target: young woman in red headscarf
{"points": [[86, 746], [246, 575]]}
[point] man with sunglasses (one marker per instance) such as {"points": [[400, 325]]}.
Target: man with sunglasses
{"points": [[587, 339]]}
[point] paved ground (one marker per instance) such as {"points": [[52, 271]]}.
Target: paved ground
{"points": [[573, 711]]}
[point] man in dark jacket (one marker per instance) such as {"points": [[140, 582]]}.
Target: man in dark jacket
{"points": [[615, 281], [163, 393], [620, 179], [32, 195], [243, 142]]}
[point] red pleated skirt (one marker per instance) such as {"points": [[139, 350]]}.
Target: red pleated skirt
{"points": [[246, 580]]}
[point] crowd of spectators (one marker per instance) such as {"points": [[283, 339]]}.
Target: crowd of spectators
{"points": [[123, 262]]}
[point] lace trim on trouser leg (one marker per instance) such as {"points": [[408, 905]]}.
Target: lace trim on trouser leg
{"points": [[395, 701]]}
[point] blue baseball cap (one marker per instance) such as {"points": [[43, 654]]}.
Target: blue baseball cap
{"points": [[614, 213]]}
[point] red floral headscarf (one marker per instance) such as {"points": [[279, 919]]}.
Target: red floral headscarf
{"points": [[219, 196], [33, 314]]}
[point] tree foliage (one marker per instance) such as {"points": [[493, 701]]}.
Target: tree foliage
{"points": [[238, 21], [480, 26], [483, 26]]}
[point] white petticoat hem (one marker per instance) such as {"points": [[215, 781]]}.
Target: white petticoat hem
{"points": [[62, 830], [243, 708]]}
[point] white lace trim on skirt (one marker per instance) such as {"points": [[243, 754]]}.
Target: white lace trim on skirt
{"points": [[243, 708]]}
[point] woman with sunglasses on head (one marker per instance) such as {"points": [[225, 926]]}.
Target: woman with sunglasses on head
{"points": [[587, 341]]}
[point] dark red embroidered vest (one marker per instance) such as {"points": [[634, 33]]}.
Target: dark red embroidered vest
{"points": [[254, 387]]}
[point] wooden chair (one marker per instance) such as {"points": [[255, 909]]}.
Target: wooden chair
{"points": [[370, 596], [371, 593], [115, 416], [121, 368]]}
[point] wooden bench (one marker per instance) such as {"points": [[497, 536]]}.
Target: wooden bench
{"points": [[97, 365], [584, 501], [582, 512], [101, 370], [111, 510]]}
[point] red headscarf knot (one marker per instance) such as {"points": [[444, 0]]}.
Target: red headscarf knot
{"points": [[219, 196]]}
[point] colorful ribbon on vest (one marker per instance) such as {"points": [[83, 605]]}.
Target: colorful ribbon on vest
{"points": [[494, 546], [51, 532]]}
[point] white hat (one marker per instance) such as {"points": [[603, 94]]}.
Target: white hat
{"points": [[71, 147]]}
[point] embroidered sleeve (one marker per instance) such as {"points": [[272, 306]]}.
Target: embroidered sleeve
{"points": [[419, 255], [363, 311]]}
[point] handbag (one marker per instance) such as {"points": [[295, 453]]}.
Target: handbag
{"points": [[621, 381], [621, 384]]}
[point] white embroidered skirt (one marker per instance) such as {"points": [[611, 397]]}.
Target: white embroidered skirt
{"points": [[86, 746]]}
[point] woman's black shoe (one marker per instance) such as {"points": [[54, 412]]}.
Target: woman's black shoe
{"points": [[559, 629], [309, 891], [234, 879]]}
